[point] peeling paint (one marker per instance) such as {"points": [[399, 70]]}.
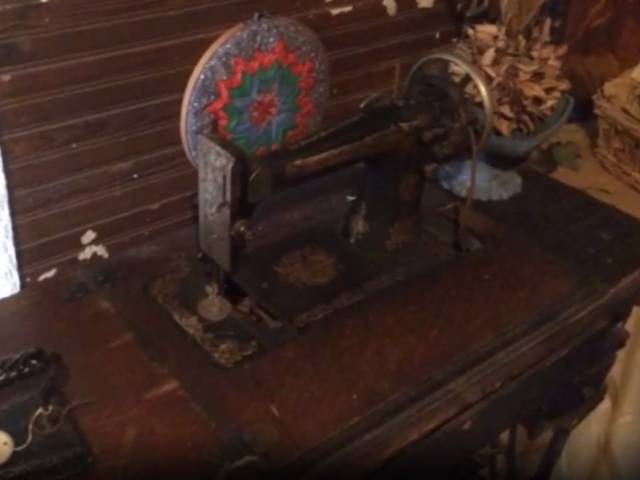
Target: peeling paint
{"points": [[93, 250], [126, 338], [339, 10], [48, 275], [161, 390], [391, 6], [425, 3], [88, 237], [274, 410]]}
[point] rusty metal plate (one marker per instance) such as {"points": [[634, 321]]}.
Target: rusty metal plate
{"points": [[304, 269]]}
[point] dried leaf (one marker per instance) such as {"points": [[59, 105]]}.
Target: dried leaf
{"points": [[532, 90], [490, 71], [506, 111], [524, 70], [545, 36], [487, 29], [488, 57], [504, 126], [547, 52], [523, 76], [527, 124], [527, 65]]}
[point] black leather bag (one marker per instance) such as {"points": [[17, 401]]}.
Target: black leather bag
{"points": [[29, 381]]}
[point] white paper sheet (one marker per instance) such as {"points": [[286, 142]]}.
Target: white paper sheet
{"points": [[9, 279]]}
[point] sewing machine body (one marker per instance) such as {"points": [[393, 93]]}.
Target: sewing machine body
{"points": [[325, 223], [290, 236]]}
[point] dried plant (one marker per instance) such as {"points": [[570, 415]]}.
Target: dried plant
{"points": [[525, 73]]}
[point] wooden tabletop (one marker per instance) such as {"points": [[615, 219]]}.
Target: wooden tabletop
{"points": [[352, 390]]}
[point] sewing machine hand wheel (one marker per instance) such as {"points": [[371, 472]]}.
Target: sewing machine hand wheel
{"points": [[454, 76]]}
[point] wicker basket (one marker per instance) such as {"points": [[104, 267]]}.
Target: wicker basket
{"points": [[617, 106]]}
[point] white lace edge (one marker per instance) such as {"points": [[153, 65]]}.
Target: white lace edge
{"points": [[9, 277]]}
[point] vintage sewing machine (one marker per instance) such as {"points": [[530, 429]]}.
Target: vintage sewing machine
{"points": [[296, 222]]}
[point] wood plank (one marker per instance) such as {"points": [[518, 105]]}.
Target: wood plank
{"points": [[49, 110], [90, 92], [398, 370], [109, 66], [115, 233], [40, 141], [29, 16], [94, 155], [208, 18], [409, 360], [80, 188], [62, 252], [103, 68], [82, 131], [147, 195], [56, 175], [135, 406], [382, 376], [62, 190]]}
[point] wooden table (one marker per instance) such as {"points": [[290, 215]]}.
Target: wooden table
{"points": [[415, 379]]}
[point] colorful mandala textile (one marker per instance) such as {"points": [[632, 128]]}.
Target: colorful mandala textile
{"points": [[266, 101], [261, 85]]}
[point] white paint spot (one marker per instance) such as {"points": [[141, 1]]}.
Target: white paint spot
{"points": [[93, 250], [437, 35], [339, 10], [425, 3], [88, 237], [391, 6], [48, 275]]}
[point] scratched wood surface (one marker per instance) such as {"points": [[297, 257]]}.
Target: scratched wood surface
{"points": [[353, 391], [137, 409], [90, 95], [358, 387]]}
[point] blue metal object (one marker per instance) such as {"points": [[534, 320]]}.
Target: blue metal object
{"points": [[496, 178], [507, 153]]}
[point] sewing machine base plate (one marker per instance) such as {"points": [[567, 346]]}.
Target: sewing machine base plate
{"points": [[299, 281], [416, 363]]}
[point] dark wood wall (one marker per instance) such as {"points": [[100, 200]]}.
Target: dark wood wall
{"points": [[604, 41], [90, 93]]}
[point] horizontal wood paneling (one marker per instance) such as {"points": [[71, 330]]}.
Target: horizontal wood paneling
{"points": [[90, 94], [62, 166], [39, 112]]}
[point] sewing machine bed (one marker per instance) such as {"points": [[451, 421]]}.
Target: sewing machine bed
{"points": [[302, 269], [370, 379]]}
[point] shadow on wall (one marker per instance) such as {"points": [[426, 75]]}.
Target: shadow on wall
{"points": [[604, 41]]}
